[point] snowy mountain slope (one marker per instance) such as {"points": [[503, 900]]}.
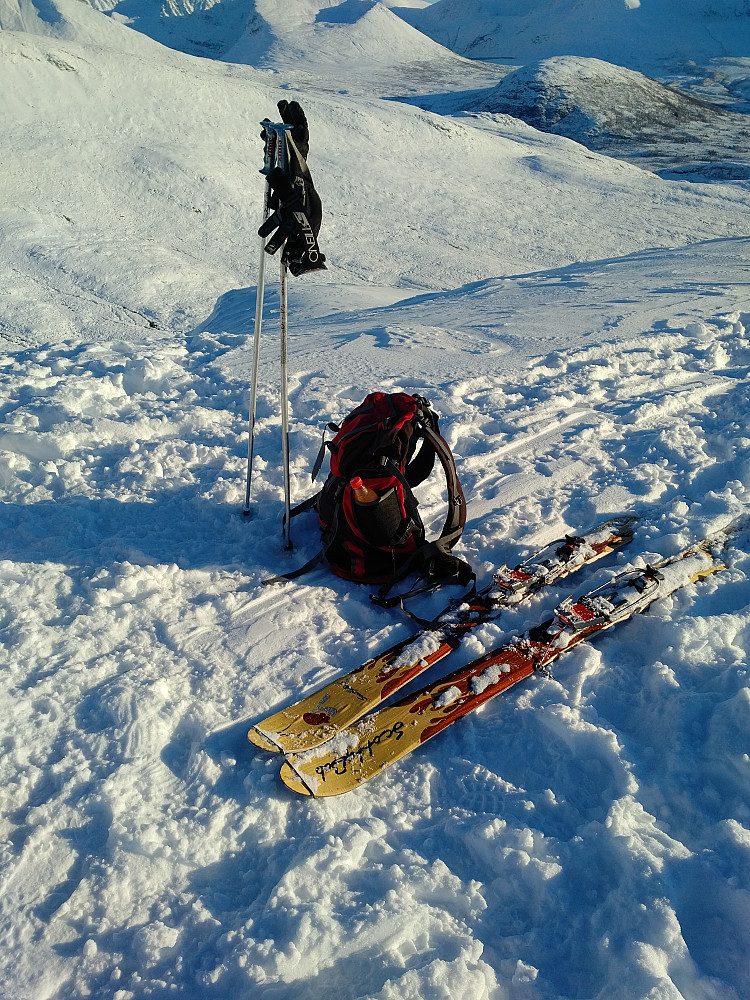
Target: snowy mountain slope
{"points": [[314, 37], [499, 323], [358, 44], [623, 113], [71, 21], [143, 206], [582, 327], [651, 36]]}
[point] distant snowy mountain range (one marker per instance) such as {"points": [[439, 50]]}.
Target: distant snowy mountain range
{"points": [[649, 35], [573, 67], [654, 36]]}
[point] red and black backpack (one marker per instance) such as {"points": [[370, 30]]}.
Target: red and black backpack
{"points": [[390, 442]]}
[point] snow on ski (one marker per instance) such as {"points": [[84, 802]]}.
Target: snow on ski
{"points": [[319, 716], [386, 736]]}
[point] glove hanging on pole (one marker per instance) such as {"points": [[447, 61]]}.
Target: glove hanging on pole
{"points": [[297, 213]]}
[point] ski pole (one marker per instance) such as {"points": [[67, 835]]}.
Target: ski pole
{"points": [[282, 161], [285, 405], [269, 156], [274, 153]]}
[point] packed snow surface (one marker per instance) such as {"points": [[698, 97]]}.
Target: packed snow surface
{"points": [[582, 326]]}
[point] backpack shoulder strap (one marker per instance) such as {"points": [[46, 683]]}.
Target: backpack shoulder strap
{"points": [[434, 560], [456, 517]]}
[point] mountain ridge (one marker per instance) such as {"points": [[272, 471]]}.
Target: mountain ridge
{"points": [[653, 36]]}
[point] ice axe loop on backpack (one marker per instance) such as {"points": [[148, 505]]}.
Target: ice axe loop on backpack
{"points": [[291, 219]]}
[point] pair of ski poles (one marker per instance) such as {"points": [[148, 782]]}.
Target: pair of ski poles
{"points": [[276, 154]]}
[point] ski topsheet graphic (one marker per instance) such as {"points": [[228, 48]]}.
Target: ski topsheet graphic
{"points": [[361, 752], [320, 715]]}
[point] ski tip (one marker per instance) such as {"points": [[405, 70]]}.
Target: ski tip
{"points": [[717, 543], [292, 780], [259, 739], [625, 524], [740, 525]]}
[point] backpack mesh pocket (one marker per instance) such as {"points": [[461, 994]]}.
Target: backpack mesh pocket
{"points": [[382, 522]]}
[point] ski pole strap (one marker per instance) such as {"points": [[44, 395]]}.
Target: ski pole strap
{"points": [[295, 573]]}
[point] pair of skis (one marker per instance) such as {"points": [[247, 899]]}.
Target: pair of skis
{"points": [[333, 745]]}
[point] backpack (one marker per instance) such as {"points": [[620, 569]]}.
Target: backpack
{"points": [[390, 442]]}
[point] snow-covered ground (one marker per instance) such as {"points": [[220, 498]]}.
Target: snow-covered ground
{"points": [[583, 328]]}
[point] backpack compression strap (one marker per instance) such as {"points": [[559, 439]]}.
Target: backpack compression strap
{"points": [[309, 504]]}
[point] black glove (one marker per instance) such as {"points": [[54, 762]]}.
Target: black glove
{"points": [[296, 211], [295, 223], [292, 114]]}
